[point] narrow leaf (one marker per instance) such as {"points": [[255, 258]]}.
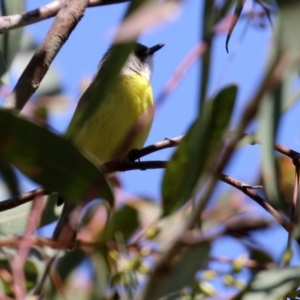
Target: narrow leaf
{"points": [[68, 263], [195, 150], [236, 15], [269, 113], [49, 160], [289, 23], [124, 221], [182, 273], [208, 22], [9, 176], [271, 284], [10, 41], [13, 221], [49, 214]]}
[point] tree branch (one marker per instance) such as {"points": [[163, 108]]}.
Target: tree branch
{"points": [[127, 164], [259, 200], [66, 20], [42, 13], [22, 199]]}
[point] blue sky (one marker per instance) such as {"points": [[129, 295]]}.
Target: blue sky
{"points": [[244, 65]]}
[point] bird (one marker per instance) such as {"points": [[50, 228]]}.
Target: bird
{"points": [[104, 136]]}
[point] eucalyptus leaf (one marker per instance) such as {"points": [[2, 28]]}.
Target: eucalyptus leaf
{"points": [[195, 150], [236, 15], [124, 221], [182, 273], [31, 272], [208, 22], [269, 114], [101, 275], [271, 284], [289, 23], [13, 221], [10, 41], [9, 176], [49, 160], [49, 214], [64, 268]]}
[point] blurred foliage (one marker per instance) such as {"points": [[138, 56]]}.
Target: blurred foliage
{"points": [[140, 248], [9, 41]]}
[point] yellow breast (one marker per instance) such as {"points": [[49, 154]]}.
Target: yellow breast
{"points": [[106, 134]]}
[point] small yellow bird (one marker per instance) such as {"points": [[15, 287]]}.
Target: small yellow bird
{"points": [[103, 136]]}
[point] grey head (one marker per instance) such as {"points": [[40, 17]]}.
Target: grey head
{"points": [[141, 60]]}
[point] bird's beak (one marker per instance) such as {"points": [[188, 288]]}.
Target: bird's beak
{"points": [[155, 48]]}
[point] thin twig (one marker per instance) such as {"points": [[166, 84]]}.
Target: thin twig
{"points": [[259, 200], [66, 20], [42, 13], [286, 151], [22, 199]]}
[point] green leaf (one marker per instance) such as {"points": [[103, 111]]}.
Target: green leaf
{"points": [[207, 26], [270, 3], [167, 228], [5, 286], [268, 115], [237, 13], [289, 23], [9, 177], [13, 221], [226, 6], [260, 256], [31, 271], [195, 150], [49, 160], [182, 273], [49, 214], [101, 275], [271, 284], [68, 263], [10, 41], [124, 221]]}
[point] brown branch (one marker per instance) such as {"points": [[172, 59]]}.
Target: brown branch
{"points": [[42, 13], [66, 20], [15, 241], [22, 199], [166, 143], [286, 151], [126, 165], [259, 200]]}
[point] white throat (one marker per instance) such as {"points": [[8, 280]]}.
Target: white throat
{"points": [[145, 69]]}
